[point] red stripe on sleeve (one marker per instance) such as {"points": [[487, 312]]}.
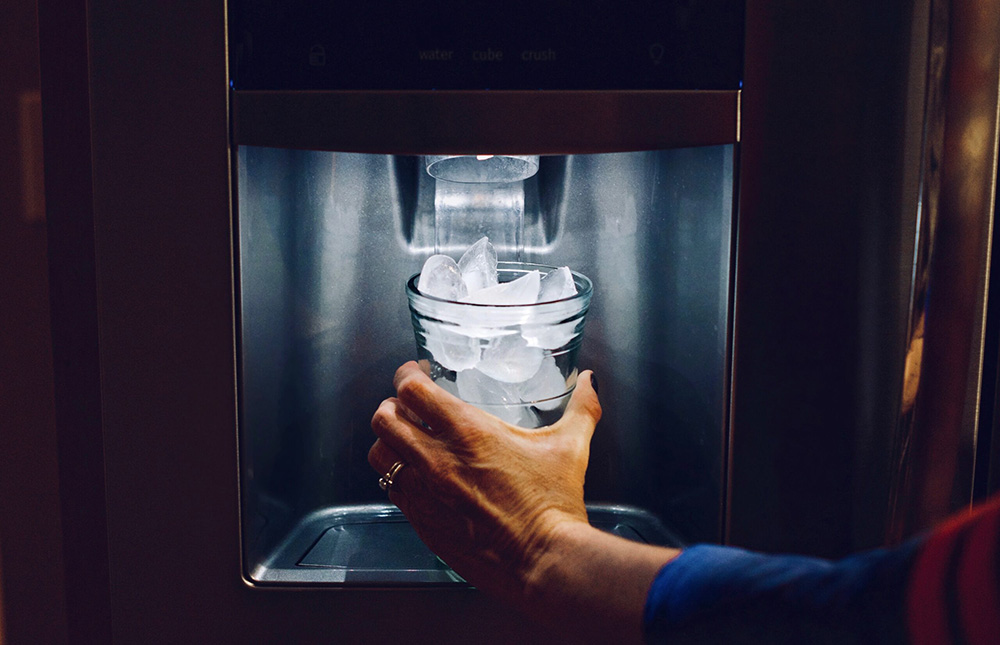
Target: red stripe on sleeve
{"points": [[977, 580], [926, 606]]}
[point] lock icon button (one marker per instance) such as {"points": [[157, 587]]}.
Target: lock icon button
{"points": [[317, 56]]}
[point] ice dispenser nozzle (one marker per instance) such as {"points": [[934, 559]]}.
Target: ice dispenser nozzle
{"points": [[481, 169]]}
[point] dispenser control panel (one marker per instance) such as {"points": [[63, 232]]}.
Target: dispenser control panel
{"points": [[449, 44]]}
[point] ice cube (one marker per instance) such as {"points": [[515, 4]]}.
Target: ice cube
{"points": [[556, 285], [543, 389], [441, 278], [518, 415], [497, 398], [448, 386], [549, 336], [452, 350], [523, 291], [509, 359], [478, 266], [479, 389]]}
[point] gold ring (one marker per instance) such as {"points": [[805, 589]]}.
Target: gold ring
{"points": [[385, 481]]}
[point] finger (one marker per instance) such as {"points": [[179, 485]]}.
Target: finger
{"points": [[584, 409], [393, 426], [381, 457], [439, 409], [409, 414]]}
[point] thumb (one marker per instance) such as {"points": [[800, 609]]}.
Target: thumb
{"points": [[583, 407]]}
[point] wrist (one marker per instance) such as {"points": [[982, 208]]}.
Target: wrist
{"points": [[590, 583], [552, 557]]}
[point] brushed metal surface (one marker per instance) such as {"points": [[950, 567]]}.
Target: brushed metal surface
{"points": [[939, 430], [832, 120], [494, 122], [327, 241], [856, 196]]}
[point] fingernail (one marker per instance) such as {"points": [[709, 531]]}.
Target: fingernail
{"points": [[593, 383]]}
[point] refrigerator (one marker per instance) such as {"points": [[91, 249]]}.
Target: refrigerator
{"points": [[786, 212]]}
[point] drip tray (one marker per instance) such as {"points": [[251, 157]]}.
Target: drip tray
{"points": [[374, 544]]}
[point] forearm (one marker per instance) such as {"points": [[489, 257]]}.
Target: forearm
{"points": [[593, 585]]}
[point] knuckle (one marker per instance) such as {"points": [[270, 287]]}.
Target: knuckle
{"points": [[373, 455], [383, 416], [594, 409], [400, 372], [404, 371], [411, 388]]}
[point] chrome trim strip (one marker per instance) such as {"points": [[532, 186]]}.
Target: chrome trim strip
{"points": [[937, 434]]}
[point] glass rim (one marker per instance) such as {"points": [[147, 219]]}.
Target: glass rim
{"points": [[524, 267]]}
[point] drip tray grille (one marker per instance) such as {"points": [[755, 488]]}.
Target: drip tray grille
{"points": [[374, 545]]}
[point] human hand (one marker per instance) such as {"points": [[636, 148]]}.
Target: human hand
{"points": [[486, 496]]}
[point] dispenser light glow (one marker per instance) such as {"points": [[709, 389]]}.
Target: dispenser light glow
{"points": [[481, 168]]}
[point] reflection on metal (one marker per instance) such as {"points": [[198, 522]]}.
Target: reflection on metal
{"points": [[936, 436], [32, 168], [838, 140]]}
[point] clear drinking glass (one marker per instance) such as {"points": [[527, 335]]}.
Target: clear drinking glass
{"points": [[518, 362]]}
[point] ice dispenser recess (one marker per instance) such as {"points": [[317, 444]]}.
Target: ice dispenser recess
{"points": [[326, 242], [612, 154]]}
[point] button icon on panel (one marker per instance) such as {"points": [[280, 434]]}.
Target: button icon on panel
{"points": [[317, 56], [539, 55], [488, 55], [656, 51]]}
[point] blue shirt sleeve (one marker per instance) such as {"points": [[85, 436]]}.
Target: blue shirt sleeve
{"points": [[724, 594]]}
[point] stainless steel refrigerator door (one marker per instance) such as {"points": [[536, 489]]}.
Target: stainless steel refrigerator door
{"points": [[137, 172]]}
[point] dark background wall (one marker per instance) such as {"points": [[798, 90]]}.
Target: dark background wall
{"points": [[32, 609]]}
